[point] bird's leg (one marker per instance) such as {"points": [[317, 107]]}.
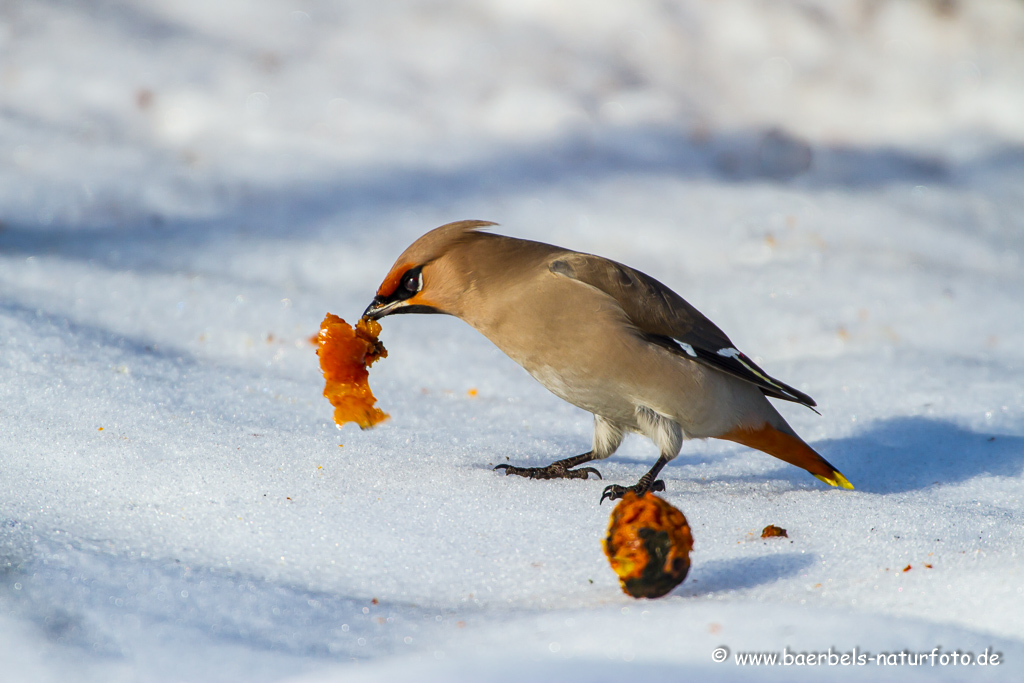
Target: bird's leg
{"points": [[646, 483], [560, 469]]}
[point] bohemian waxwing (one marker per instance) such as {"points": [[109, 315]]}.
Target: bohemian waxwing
{"points": [[604, 337]]}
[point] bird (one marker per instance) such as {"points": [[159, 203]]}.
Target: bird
{"points": [[604, 337]]}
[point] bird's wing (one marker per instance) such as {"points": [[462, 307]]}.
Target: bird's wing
{"points": [[665, 318]]}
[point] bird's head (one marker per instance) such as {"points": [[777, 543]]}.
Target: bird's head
{"points": [[425, 279]]}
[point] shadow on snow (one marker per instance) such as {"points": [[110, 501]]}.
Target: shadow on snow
{"points": [[910, 453], [720, 576], [349, 205], [102, 601], [903, 454]]}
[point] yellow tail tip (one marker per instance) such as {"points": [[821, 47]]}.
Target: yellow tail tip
{"points": [[837, 479]]}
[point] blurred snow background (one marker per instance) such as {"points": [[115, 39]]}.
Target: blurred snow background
{"points": [[186, 188]]}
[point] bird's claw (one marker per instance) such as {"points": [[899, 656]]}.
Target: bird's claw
{"points": [[554, 471], [614, 491]]}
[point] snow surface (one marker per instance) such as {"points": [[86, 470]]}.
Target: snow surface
{"points": [[186, 188]]}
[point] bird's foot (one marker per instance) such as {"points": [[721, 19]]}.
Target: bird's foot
{"points": [[614, 491], [555, 470]]}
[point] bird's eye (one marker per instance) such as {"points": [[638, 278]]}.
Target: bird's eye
{"points": [[409, 285], [413, 282]]}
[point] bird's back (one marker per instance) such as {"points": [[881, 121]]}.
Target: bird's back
{"points": [[579, 342]]}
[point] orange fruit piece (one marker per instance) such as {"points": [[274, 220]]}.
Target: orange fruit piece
{"points": [[345, 354], [771, 531], [648, 545]]}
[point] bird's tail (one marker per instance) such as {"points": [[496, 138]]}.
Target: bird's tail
{"points": [[790, 448]]}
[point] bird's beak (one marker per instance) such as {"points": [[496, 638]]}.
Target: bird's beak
{"points": [[379, 308]]}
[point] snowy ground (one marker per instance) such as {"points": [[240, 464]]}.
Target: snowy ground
{"points": [[186, 188]]}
